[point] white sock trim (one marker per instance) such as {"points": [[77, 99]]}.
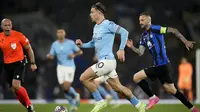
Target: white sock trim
{"points": [[138, 105], [191, 109], [153, 96]]}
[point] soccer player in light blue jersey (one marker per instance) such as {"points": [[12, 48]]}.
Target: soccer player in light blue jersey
{"points": [[102, 40], [107, 93], [65, 50]]}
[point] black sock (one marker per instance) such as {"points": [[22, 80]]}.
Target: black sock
{"points": [[67, 92], [145, 87], [182, 98]]}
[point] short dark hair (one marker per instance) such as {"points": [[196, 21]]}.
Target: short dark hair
{"points": [[145, 14], [99, 6], [60, 29]]}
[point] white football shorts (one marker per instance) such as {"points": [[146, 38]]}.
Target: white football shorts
{"points": [[65, 73], [105, 68]]}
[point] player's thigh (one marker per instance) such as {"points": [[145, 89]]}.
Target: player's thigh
{"points": [[19, 71], [139, 76], [104, 67], [153, 72], [69, 73], [68, 78], [60, 74], [88, 74], [165, 75]]}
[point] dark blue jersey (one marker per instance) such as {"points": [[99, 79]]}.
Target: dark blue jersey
{"points": [[154, 40]]}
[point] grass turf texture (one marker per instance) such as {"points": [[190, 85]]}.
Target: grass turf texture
{"points": [[88, 107]]}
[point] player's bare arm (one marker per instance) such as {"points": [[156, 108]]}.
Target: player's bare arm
{"points": [[50, 57], [189, 44], [31, 56], [78, 53], [139, 51]]}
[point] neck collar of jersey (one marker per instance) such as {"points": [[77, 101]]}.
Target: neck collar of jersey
{"points": [[8, 35], [101, 21]]}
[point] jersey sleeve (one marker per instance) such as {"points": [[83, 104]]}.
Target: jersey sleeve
{"points": [[23, 40], [52, 50], [90, 44], [113, 27], [158, 29], [75, 47]]}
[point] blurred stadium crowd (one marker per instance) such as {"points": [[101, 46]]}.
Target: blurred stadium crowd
{"points": [[39, 19]]}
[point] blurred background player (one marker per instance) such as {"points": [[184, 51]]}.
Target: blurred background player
{"points": [[12, 44], [153, 38], [107, 93], [65, 50], [185, 78], [102, 40]]}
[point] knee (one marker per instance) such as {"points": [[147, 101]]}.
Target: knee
{"points": [[82, 79], [171, 90], [66, 86], [136, 79], [16, 85], [139, 76]]}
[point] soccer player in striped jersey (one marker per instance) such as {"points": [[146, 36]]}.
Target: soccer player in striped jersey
{"points": [[103, 39], [153, 38]]}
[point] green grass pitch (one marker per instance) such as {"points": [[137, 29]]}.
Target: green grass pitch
{"points": [[88, 107]]}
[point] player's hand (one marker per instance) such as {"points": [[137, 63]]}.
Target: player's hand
{"points": [[129, 43], [79, 42], [71, 56], [50, 57], [121, 55], [189, 44], [33, 67]]}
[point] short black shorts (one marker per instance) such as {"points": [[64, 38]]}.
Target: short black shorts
{"points": [[160, 72], [15, 70]]}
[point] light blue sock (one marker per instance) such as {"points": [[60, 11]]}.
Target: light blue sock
{"points": [[72, 102], [134, 101], [102, 91], [72, 92], [114, 94], [97, 96]]}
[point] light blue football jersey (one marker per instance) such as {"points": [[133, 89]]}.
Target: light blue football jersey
{"points": [[103, 39], [62, 50]]}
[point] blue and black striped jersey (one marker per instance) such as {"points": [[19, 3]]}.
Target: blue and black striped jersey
{"points": [[154, 40]]}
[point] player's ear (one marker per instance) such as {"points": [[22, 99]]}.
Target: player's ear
{"points": [[149, 20]]}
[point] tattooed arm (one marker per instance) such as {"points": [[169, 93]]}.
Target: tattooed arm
{"points": [[188, 44], [139, 51]]}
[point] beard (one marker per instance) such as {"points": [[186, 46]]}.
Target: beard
{"points": [[143, 26]]}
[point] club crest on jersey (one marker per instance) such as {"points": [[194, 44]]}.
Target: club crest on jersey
{"points": [[149, 44], [151, 36], [13, 46]]}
